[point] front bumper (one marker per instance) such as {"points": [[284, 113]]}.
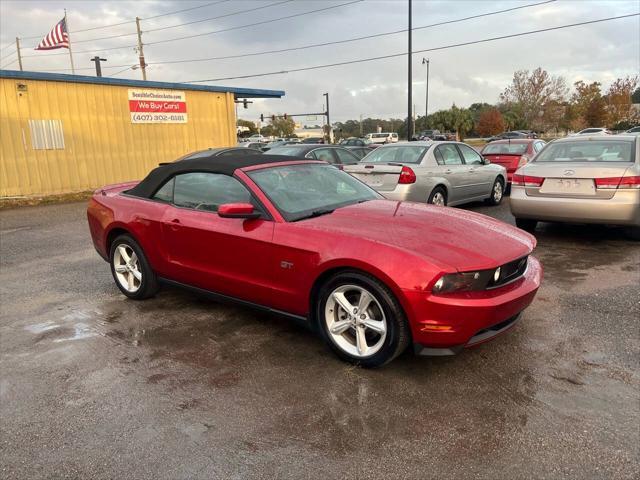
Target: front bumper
{"points": [[445, 324], [622, 209]]}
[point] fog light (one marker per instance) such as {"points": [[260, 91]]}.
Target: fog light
{"points": [[496, 275]]}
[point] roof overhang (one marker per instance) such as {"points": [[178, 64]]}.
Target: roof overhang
{"points": [[63, 77]]}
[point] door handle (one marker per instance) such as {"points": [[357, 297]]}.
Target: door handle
{"points": [[448, 170], [471, 170], [175, 225]]}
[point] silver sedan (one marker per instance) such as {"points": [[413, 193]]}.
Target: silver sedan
{"points": [[440, 173]]}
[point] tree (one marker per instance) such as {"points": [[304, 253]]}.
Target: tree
{"points": [[490, 123], [282, 127], [248, 124], [528, 92], [635, 98], [618, 100], [589, 105]]}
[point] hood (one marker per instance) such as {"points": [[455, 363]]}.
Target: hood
{"points": [[449, 238]]}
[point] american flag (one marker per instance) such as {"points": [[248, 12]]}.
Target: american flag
{"points": [[57, 37]]}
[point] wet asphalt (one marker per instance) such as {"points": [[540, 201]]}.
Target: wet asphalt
{"points": [[93, 385]]}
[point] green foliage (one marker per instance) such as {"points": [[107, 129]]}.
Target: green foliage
{"points": [[249, 124]]}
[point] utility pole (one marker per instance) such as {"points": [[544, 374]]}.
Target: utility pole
{"points": [[19, 54], [328, 119], [409, 81], [425, 61], [140, 50], [360, 125], [98, 61]]}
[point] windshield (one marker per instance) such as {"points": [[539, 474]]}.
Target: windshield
{"points": [[587, 151], [309, 190], [396, 154], [505, 149]]}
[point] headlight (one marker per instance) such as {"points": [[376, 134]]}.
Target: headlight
{"points": [[459, 282]]}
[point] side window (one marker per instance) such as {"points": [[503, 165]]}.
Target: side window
{"points": [[346, 158], [448, 155], [471, 157], [207, 191], [324, 154], [165, 193]]}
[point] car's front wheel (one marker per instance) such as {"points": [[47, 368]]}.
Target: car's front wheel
{"points": [[361, 320], [131, 270]]}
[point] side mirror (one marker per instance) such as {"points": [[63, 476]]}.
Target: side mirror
{"points": [[486, 161], [237, 210]]}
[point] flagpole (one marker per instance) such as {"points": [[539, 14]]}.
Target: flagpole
{"points": [[66, 22]]}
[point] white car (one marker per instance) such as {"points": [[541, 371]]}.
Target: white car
{"points": [[593, 131], [384, 137]]}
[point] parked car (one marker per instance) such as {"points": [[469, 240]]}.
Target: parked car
{"points": [[593, 131], [253, 145], [256, 137], [440, 173], [221, 152], [314, 140], [382, 137], [361, 152], [276, 143], [635, 130], [333, 154], [431, 135], [357, 142], [293, 140], [507, 135], [309, 241], [528, 133], [580, 180], [511, 154]]}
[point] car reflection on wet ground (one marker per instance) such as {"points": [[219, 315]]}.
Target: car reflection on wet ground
{"points": [[95, 385]]}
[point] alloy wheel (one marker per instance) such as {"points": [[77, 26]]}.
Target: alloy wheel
{"points": [[127, 268], [438, 199], [497, 192], [355, 321]]}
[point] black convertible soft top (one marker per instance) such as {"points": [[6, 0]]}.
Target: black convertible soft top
{"points": [[213, 164]]}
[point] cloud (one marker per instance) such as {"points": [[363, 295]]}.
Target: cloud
{"points": [[462, 75]]}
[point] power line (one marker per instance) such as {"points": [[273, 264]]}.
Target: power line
{"points": [[186, 9], [7, 46], [120, 71], [99, 27], [336, 42], [254, 24], [208, 33], [6, 65], [382, 57], [219, 16], [181, 24]]}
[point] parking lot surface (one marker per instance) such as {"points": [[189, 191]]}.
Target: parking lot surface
{"points": [[93, 385]]}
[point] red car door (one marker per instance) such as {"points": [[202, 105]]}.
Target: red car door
{"points": [[224, 255]]}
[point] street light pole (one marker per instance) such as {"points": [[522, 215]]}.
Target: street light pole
{"points": [[409, 81], [425, 61], [328, 119]]}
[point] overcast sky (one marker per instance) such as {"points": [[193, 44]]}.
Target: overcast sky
{"points": [[476, 73]]}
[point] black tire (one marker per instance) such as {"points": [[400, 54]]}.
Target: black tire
{"points": [[398, 335], [634, 233], [434, 192], [527, 224], [148, 285], [496, 196]]}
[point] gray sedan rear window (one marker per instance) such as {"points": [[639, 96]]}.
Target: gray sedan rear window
{"points": [[588, 151], [505, 149]]}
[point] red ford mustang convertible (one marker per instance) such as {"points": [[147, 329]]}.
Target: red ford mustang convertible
{"points": [[304, 239]]}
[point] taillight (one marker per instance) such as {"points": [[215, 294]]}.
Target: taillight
{"points": [[407, 176], [618, 182], [527, 180]]}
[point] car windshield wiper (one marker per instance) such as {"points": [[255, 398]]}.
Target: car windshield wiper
{"points": [[316, 213]]}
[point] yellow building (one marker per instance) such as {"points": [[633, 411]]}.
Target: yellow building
{"points": [[69, 133]]}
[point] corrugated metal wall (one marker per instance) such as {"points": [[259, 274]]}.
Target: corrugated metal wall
{"points": [[100, 145]]}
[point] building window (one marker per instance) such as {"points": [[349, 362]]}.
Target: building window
{"points": [[46, 134]]}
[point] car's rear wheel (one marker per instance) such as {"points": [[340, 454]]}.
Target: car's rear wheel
{"points": [[131, 270], [361, 320], [526, 224], [497, 192], [438, 197]]}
